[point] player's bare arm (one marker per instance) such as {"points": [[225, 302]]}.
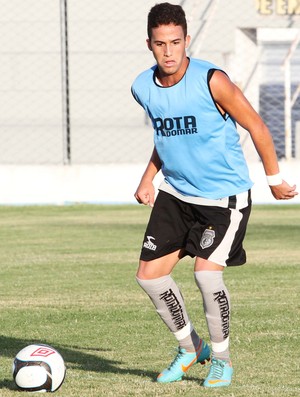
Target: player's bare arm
{"points": [[230, 99], [145, 192]]}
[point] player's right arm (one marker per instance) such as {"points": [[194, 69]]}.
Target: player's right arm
{"points": [[145, 192], [230, 98]]}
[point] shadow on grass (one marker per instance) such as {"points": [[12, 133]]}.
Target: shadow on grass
{"points": [[75, 357]]}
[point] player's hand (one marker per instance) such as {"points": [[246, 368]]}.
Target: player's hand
{"points": [[284, 191], [145, 193]]}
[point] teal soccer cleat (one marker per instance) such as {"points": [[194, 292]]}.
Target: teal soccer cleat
{"points": [[220, 374], [183, 361]]}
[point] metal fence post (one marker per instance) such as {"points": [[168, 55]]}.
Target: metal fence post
{"points": [[65, 82]]}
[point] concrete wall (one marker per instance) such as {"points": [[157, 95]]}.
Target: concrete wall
{"points": [[105, 183]]}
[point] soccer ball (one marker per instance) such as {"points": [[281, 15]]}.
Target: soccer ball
{"points": [[38, 368]]}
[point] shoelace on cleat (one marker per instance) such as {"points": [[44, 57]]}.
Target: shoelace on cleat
{"points": [[180, 354], [216, 369]]}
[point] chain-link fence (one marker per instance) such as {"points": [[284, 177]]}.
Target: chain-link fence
{"points": [[67, 67]]}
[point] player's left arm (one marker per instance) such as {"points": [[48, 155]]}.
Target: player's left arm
{"points": [[231, 100]]}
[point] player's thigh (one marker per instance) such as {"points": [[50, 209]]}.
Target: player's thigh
{"points": [[158, 267], [202, 264]]}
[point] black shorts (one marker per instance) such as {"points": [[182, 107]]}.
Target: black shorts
{"points": [[209, 232]]}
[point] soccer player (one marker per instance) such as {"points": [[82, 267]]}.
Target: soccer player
{"points": [[204, 202]]}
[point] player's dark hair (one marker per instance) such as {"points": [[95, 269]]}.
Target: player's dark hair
{"points": [[165, 14]]}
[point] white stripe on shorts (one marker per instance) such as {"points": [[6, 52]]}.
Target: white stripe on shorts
{"points": [[221, 253]]}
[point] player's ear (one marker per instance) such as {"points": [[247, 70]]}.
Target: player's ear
{"points": [[187, 41], [148, 41]]}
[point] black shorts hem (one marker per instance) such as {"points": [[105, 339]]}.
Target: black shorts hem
{"points": [[150, 256]]}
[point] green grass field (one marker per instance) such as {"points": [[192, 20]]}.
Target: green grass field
{"points": [[68, 279]]}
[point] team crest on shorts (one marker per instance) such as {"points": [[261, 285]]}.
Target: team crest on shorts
{"points": [[207, 238]]}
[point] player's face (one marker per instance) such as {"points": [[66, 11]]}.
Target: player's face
{"points": [[168, 45]]}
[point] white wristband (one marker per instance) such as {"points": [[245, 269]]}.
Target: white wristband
{"points": [[274, 180]]}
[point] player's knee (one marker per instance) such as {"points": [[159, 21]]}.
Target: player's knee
{"points": [[149, 270], [144, 271]]}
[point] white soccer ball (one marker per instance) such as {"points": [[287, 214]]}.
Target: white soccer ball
{"points": [[38, 368]]}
